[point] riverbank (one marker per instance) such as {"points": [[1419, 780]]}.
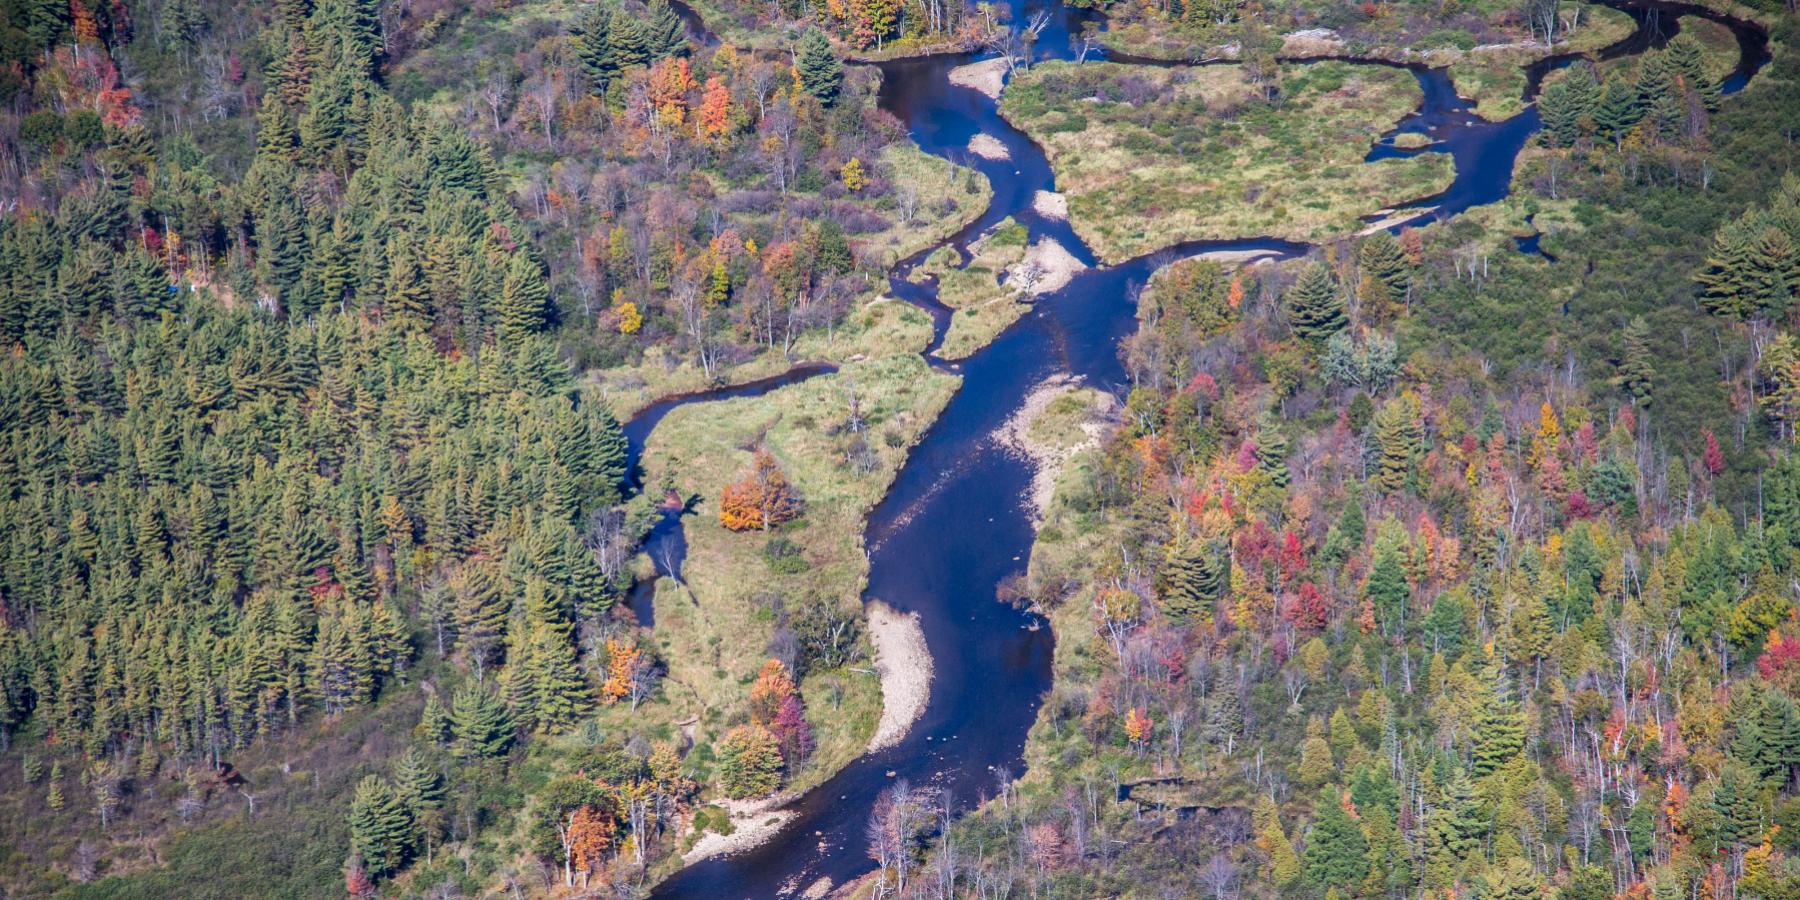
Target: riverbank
{"points": [[904, 663]]}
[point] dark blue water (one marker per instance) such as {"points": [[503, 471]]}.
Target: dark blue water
{"points": [[954, 524]]}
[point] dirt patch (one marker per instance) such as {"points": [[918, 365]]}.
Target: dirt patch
{"points": [[1048, 459], [1242, 257], [1395, 218], [1050, 205], [987, 76], [904, 662], [987, 146], [752, 822], [1048, 266]]}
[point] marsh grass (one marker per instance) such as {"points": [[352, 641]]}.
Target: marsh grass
{"points": [[1150, 158]]}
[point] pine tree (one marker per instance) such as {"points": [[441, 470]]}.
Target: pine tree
{"points": [[434, 721], [1738, 811], [1315, 309], [820, 70], [664, 35], [1400, 437], [1453, 831], [524, 301], [558, 692], [381, 826], [1387, 590], [1618, 109], [1337, 854], [592, 41], [1191, 580], [1636, 371], [479, 722], [1499, 724], [1387, 273], [1272, 450], [407, 300], [1316, 765], [480, 610], [417, 781], [1688, 61]]}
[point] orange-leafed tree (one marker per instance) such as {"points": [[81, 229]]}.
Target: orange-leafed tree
{"points": [[773, 686], [590, 835], [715, 108], [628, 673], [761, 499]]}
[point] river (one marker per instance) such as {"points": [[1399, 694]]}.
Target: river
{"points": [[955, 522]]}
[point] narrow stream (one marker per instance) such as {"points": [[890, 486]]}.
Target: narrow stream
{"points": [[954, 524]]}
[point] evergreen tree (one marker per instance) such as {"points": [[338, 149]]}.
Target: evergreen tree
{"points": [[1452, 831], [1618, 109], [1400, 438], [558, 692], [1315, 308], [1387, 590], [820, 70], [417, 782], [1499, 724], [1636, 371], [479, 723], [1689, 63], [381, 826], [1191, 580], [1387, 273], [1337, 853], [1272, 450], [524, 301], [407, 299], [749, 762], [592, 41], [664, 35]]}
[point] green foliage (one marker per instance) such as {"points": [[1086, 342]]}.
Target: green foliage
{"points": [[1315, 308], [820, 70], [381, 826]]}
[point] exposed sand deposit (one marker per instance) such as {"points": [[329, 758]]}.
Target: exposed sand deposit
{"points": [[906, 671], [1050, 205], [987, 76], [1047, 458], [752, 822], [1241, 257], [1395, 218], [1047, 267], [987, 146]]}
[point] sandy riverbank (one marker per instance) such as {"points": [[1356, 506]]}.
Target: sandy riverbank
{"points": [[987, 76], [1050, 205], [1047, 460], [1051, 266], [904, 663], [987, 146], [752, 822]]}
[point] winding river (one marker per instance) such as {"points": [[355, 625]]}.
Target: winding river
{"points": [[954, 524]]}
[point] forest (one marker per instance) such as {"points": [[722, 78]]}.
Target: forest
{"points": [[364, 532]]}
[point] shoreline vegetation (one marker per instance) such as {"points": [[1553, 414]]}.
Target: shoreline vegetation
{"points": [[1151, 157]]}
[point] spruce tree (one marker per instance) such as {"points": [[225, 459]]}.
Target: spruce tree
{"points": [[1315, 309], [381, 826], [1385, 268], [820, 70]]}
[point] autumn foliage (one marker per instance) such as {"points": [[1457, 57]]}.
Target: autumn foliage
{"points": [[761, 499]]}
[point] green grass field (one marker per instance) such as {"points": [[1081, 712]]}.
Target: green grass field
{"points": [[1150, 158]]}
